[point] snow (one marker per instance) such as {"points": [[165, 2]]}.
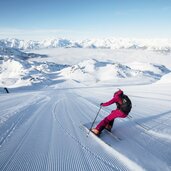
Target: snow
{"points": [[16, 72], [52, 97], [165, 79], [95, 71]]}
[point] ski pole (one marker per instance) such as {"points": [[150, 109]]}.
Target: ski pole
{"points": [[94, 121]]}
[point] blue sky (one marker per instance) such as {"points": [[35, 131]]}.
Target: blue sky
{"points": [[78, 19]]}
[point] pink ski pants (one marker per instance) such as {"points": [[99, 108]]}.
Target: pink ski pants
{"points": [[114, 114]]}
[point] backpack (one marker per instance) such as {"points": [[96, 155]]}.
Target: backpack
{"points": [[126, 104]]}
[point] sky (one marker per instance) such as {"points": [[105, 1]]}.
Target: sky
{"points": [[81, 19]]}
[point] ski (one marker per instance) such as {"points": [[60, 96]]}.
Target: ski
{"points": [[84, 127], [86, 130], [114, 136]]}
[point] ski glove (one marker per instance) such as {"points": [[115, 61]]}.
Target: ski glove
{"points": [[101, 104]]}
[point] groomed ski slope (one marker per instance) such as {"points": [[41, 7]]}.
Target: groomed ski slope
{"points": [[42, 130]]}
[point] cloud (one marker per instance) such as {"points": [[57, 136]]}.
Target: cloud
{"points": [[29, 32], [40, 34]]}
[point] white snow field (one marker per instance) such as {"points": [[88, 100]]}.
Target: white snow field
{"points": [[41, 127]]}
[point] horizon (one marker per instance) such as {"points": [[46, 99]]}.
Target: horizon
{"points": [[39, 20], [88, 39]]}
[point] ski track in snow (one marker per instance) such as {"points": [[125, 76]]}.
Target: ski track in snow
{"points": [[41, 131]]}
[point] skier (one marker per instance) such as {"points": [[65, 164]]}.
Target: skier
{"points": [[124, 106]]}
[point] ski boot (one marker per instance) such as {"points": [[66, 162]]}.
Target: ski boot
{"points": [[95, 131], [108, 127]]}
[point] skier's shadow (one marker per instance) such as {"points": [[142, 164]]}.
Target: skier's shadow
{"points": [[146, 123], [145, 120]]}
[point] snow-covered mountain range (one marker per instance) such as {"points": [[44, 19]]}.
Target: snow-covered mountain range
{"points": [[6, 52], [18, 72], [16, 68], [113, 43], [94, 71]]}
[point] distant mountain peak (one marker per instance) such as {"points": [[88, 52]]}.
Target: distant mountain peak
{"points": [[163, 45]]}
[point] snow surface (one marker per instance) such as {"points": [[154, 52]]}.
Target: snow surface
{"points": [[41, 120]]}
